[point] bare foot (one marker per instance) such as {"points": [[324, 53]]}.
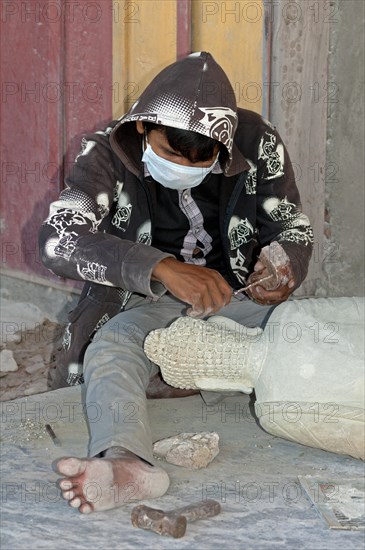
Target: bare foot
{"points": [[97, 484]]}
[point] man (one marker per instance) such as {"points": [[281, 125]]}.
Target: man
{"points": [[165, 213]]}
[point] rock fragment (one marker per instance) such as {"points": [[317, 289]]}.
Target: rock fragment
{"points": [[35, 366], [7, 361], [39, 387], [190, 450]]}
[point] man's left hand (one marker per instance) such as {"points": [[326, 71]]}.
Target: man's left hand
{"points": [[261, 294], [274, 264]]}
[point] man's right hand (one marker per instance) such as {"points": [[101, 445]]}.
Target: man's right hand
{"points": [[203, 288]]}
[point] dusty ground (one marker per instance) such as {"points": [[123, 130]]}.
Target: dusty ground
{"points": [[32, 350]]}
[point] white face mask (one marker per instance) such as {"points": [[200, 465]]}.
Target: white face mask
{"points": [[172, 175]]}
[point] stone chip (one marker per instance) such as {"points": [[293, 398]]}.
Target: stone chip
{"points": [[7, 361], [190, 450], [35, 365]]}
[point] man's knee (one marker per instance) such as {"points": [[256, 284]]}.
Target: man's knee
{"points": [[119, 331]]}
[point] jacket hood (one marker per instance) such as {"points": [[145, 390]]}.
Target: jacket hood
{"points": [[192, 94]]}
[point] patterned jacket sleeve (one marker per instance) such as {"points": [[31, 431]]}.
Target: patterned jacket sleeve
{"points": [[72, 242], [280, 217]]}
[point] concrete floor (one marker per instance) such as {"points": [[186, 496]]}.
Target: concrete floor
{"points": [[254, 477]]}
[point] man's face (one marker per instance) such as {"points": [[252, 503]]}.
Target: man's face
{"points": [[161, 147]]}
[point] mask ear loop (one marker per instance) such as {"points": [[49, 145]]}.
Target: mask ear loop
{"points": [[145, 138]]}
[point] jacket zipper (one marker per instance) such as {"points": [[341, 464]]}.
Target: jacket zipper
{"points": [[150, 204]]}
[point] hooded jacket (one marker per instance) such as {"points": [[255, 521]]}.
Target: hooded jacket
{"points": [[101, 229]]}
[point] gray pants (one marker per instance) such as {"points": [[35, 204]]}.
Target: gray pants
{"points": [[117, 371]]}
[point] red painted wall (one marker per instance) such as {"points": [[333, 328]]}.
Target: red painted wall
{"points": [[56, 73]]}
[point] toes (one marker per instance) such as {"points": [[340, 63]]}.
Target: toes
{"points": [[86, 508], [68, 495], [65, 484], [75, 502], [69, 489], [71, 466]]}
